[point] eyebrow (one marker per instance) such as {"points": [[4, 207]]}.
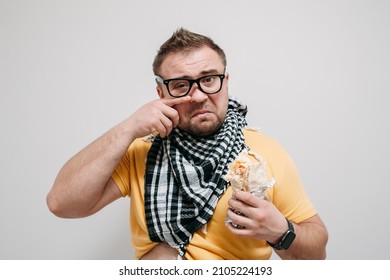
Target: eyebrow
{"points": [[202, 73]]}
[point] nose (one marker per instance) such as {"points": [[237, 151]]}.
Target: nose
{"points": [[197, 95]]}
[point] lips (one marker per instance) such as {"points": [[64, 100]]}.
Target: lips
{"points": [[200, 113]]}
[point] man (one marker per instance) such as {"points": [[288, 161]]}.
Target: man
{"points": [[170, 157]]}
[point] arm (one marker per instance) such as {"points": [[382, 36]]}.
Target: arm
{"points": [[310, 241], [263, 221], [83, 185]]}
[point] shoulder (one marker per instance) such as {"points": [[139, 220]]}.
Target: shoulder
{"points": [[140, 144], [278, 161], [262, 143], [139, 149]]}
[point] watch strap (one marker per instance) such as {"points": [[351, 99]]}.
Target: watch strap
{"points": [[287, 238]]}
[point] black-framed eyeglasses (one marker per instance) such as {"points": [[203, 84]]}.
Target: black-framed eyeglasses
{"points": [[179, 87]]}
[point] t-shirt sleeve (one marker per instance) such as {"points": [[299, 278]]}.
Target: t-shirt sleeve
{"points": [[289, 195], [121, 175], [131, 169]]}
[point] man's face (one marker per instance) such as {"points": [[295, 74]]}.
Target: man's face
{"points": [[205, 113]]}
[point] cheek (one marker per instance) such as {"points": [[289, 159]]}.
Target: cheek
{"points": [[221, 103]]}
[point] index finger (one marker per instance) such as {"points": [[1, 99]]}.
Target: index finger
{"points": [[247, 198], [175, 101]]}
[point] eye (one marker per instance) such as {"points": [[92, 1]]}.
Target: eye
{"points": [[208, 80], [178, 85]]}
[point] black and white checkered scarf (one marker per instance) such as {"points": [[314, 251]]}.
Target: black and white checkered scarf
{"points": [[183, 179]]}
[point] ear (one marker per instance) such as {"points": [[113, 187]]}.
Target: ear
{"points": [[159, 92]]}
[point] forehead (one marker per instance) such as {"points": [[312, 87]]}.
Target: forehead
{"points": [[191, 63]]}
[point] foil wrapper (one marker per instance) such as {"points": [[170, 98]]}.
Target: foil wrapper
{"points": [[248, 173]]}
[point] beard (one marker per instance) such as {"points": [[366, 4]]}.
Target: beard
{"points": [[202, 129], [197, 124], [202, 125]]}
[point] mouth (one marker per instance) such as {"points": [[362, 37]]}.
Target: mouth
{"points": [[200, 113]]}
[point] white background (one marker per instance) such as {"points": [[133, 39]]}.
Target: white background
{"points": [[315, 75]]}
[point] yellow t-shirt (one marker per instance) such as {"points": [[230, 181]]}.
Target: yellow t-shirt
{"points": [[215, 241]]}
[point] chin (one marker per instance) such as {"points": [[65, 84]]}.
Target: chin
{"points": [[202, 129]]}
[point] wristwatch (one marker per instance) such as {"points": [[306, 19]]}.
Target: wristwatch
{"points": [[287, 238]]}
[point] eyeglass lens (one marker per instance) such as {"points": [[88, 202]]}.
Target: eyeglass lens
{"points": [[209, 84]]}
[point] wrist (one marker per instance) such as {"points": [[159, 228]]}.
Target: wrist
{"points": [[125, 131], [286, 239]]}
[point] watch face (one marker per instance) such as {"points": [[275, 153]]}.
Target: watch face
{"points": [[287, 239]]}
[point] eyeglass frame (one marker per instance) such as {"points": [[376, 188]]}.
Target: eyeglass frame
{"points": [[191, 81]]}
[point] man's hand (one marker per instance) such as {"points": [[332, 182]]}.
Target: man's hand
{"points": [[156, 116], [261, 220]]}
